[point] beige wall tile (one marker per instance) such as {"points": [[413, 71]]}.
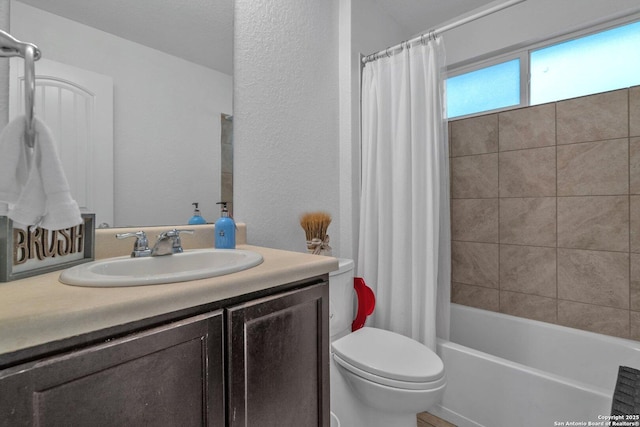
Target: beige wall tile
{"points": [[528, 221], [529, 127], [634, 111], [474, 220], [528, 269], [528, 306], [595, 222], [634, 165], [634, 282], [477, 135], [449, 136], [593, 168], [593, 118], [528, 173], [474, 176], [583, 276], [475, 296], [474, 263], [603, 320], [594, 277], [635, 325], [634, 223]]}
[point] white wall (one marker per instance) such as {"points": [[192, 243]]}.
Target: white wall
{"points": [[373, 29], [166, 117], [286, 159]]}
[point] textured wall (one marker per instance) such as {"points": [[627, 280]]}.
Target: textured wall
{"points": [[286, 157], [545, 212]]}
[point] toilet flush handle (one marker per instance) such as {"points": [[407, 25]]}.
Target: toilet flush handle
{"points": [[366, 303]]}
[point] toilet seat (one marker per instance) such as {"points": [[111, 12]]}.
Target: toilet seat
{"points": [[388, 358], [387, 382]]}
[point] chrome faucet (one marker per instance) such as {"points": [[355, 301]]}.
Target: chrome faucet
{"points": [[168, 243]]}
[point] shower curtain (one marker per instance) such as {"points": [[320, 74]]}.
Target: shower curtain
{"points": [[404, 237]]}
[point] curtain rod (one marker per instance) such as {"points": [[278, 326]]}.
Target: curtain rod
{"points": [[431, 33]]}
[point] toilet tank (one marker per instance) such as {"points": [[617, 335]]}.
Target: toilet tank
{"points": [[341, 299]]}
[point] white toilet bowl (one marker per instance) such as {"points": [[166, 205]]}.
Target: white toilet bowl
{"points": [[388, 371], [379, 378]]}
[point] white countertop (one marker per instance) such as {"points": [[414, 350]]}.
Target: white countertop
{"points": [[40, 309]]}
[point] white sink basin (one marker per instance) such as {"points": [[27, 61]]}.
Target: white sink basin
{"points": [[189, 265]]}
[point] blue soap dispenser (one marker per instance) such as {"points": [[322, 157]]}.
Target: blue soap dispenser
{"points": [[196, 218], [225, 230]]}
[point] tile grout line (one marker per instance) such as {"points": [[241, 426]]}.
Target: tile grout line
{"points": [[629, 204], [499, 204], [555, 130]]}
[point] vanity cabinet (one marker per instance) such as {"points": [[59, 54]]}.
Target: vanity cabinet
{"points": [[259, 360], [166, 376], [278, 356]]}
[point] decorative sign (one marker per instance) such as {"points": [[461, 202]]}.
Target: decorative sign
{"points": [[25, 253]]}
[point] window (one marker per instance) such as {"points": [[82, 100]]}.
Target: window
{"points": [[599, 62], [489, 88]]}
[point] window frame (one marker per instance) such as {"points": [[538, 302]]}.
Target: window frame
{"points": [[524, 54], [524, 81]]}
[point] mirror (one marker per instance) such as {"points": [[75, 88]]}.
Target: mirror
{"points": [[171, 69]]}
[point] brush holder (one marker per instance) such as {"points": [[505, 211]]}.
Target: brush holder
{"points": [[318, 246]]}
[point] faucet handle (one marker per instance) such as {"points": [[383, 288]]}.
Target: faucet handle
{"points": [[140, 246], [175, 233]]}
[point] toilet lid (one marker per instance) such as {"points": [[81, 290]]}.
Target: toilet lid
{"points": [[389, 355]]}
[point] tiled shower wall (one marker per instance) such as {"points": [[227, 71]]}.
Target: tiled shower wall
{"points": [[545, 212]]}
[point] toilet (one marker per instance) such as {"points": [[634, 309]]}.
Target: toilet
{"points": [[378, 378]]}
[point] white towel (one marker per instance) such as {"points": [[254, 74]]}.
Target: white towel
{"points": [[45, 199], [13, 163]]}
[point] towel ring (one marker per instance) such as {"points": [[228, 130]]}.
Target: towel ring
{"points": [[10, 46]]}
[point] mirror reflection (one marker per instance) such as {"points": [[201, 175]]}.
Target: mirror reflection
{"points": [[147, 141]]}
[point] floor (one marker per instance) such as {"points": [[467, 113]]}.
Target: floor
{"points": [[425, 419]]}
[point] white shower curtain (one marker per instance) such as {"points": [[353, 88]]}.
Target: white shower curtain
{"points": [[404, 240]]}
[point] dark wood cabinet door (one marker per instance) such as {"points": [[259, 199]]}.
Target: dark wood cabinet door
{"points": [[167, 376], [278, 360]]}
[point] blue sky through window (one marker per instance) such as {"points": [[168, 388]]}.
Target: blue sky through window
{"points": [[597, 63], [485, 89]]}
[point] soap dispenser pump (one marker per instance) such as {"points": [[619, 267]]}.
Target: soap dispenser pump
{"points": [[196, 218], [225, 230]]}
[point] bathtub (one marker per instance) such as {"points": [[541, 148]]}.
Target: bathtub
{"points": [[505, 371]]}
